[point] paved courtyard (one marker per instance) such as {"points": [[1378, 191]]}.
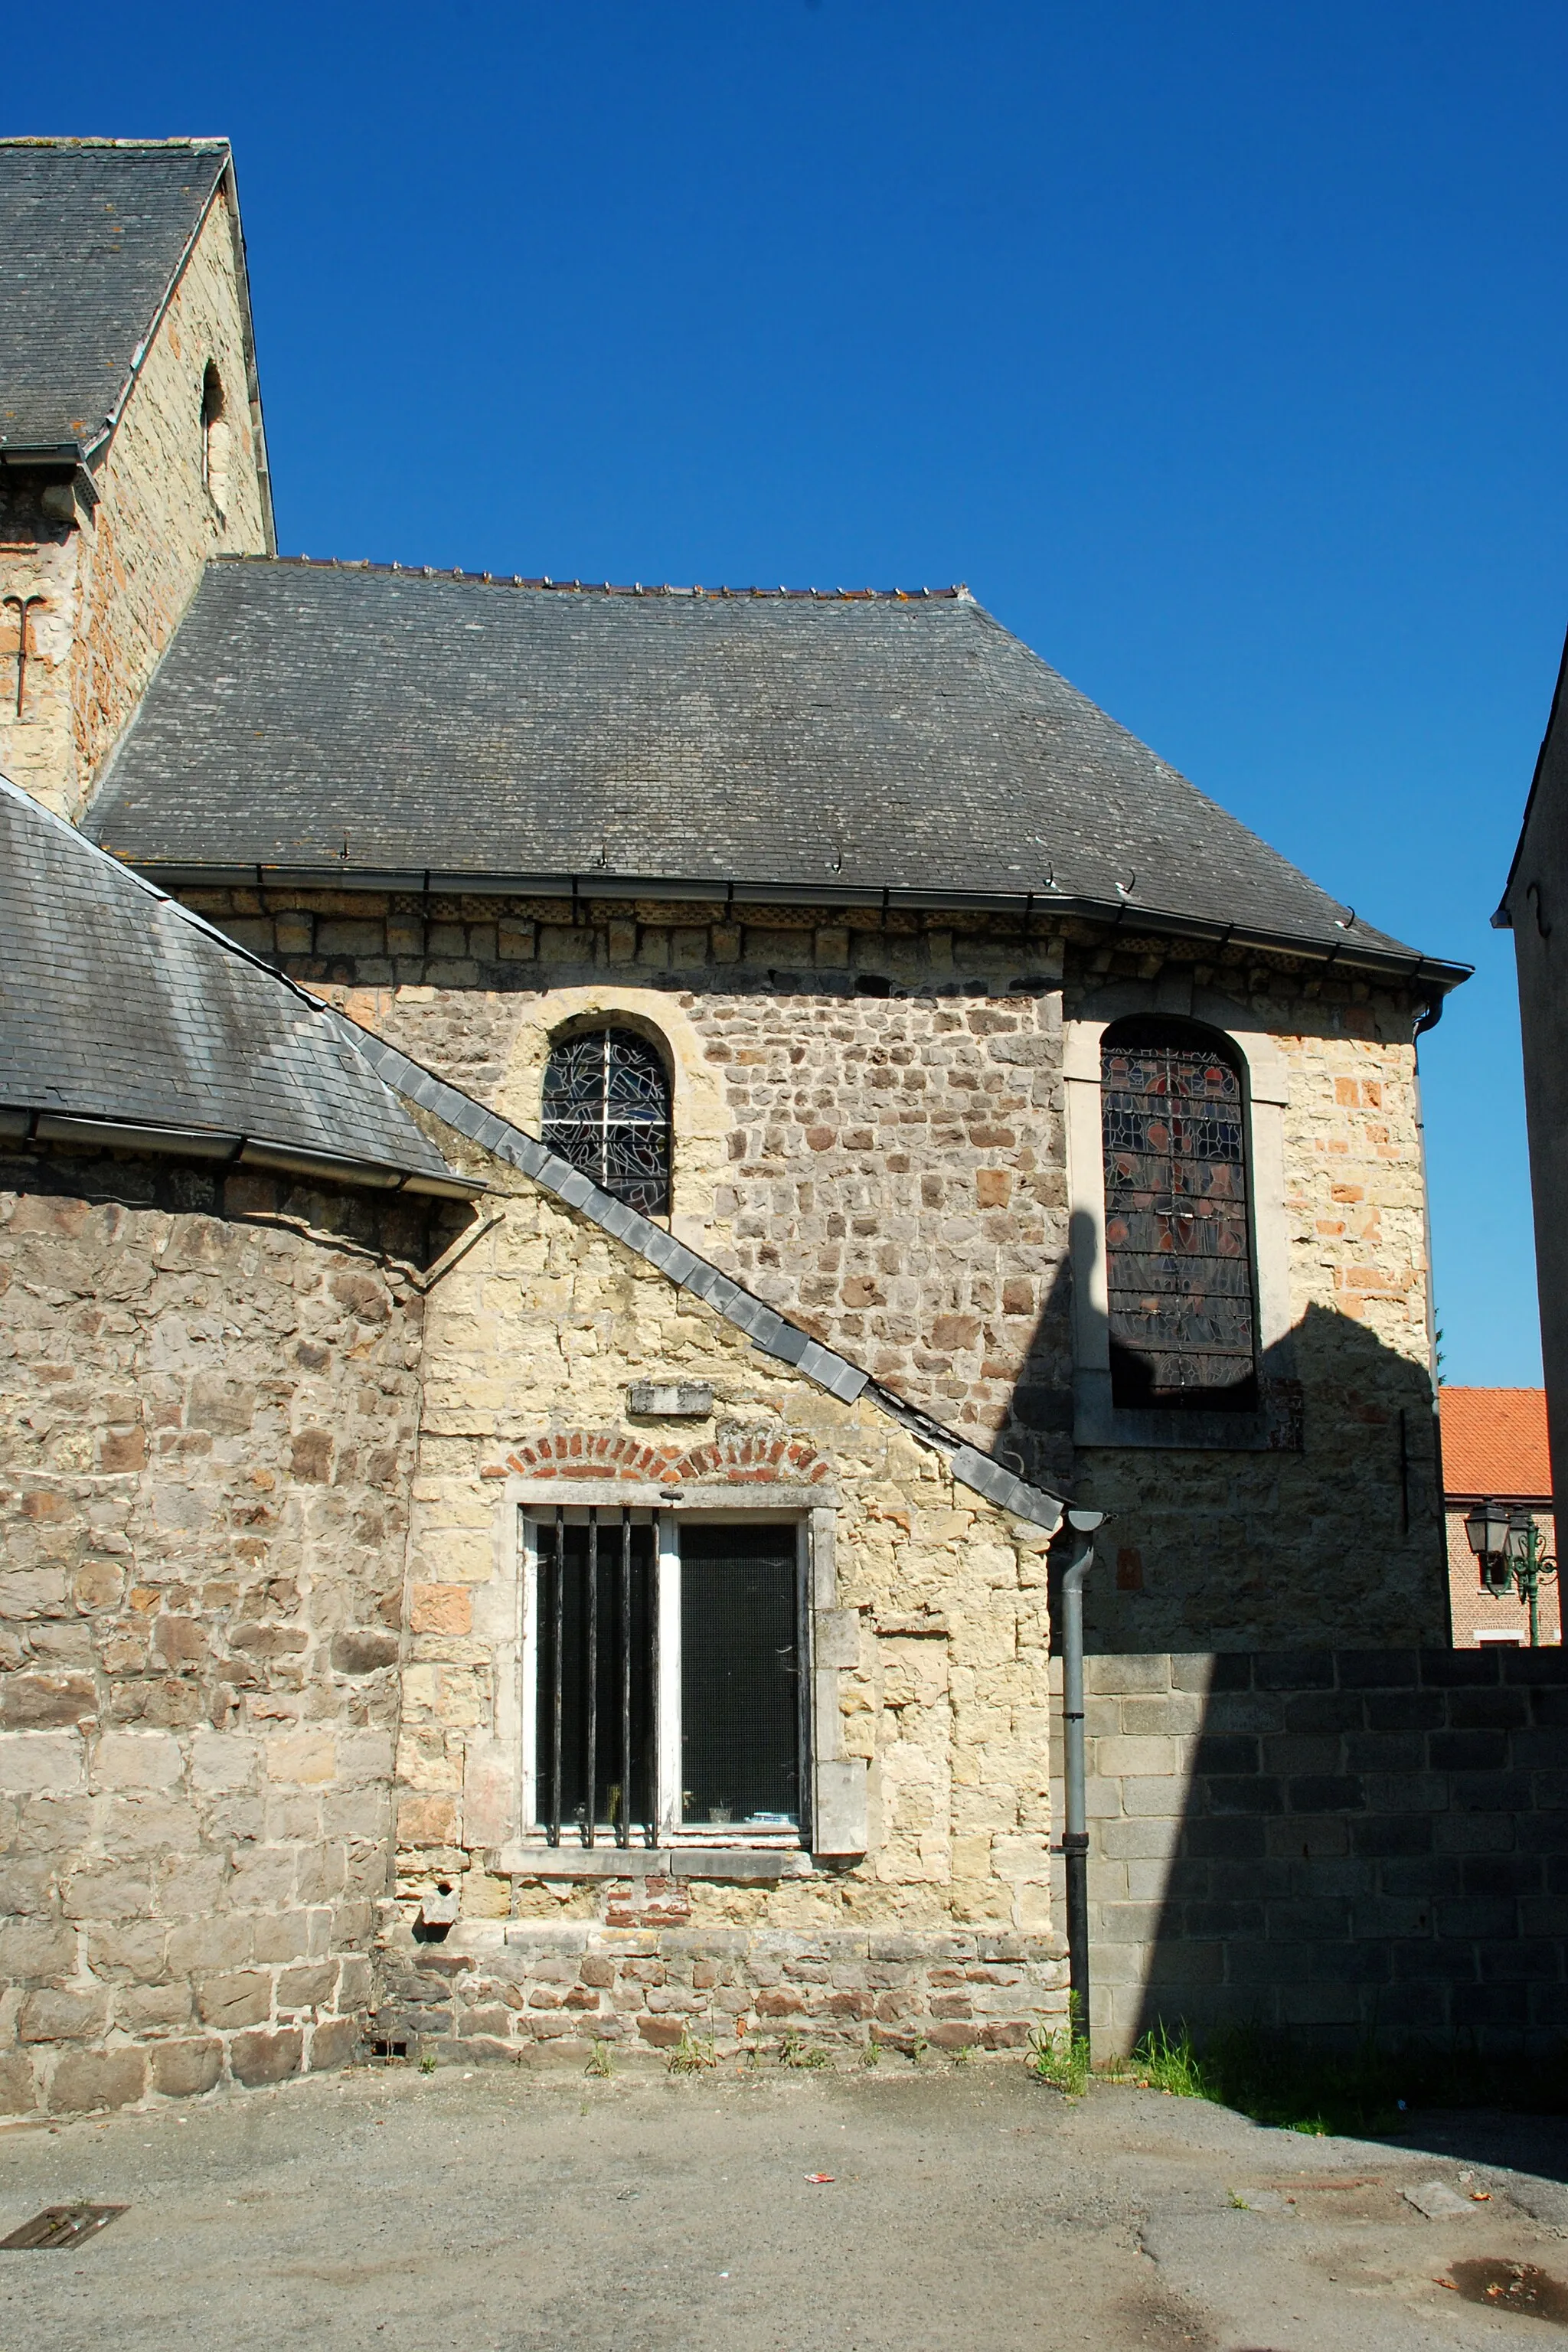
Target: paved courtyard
{"points": [[967, 2207]]}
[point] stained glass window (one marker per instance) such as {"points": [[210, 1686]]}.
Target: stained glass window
{"points": [[1177, 1236], [606, 1109]]}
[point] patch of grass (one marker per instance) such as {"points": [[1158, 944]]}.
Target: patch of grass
{"points": [[1059, 2055], [1365, 2091], [428, 2064], [872, 2055], [601, 2063]]}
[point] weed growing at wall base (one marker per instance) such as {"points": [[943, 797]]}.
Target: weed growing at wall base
{"points": [[1366, 2090]]}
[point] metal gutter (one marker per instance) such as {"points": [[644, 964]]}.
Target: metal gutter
{"points": [[24, 1124]]}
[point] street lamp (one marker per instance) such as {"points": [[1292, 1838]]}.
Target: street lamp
{"points": [[1507, 1546]]}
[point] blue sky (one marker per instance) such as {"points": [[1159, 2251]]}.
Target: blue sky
{"points": [[1220, 350]]}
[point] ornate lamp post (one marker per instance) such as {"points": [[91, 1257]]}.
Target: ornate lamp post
{"points": [[1508, 1547]]}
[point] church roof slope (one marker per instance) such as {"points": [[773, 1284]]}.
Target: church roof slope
{"points": [[92, 234], [121, 1012], [325, 718]]}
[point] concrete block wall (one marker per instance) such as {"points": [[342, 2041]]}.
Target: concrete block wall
{"points": [[1331, 1842]]}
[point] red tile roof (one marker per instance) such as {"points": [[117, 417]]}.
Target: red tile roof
{"points": [[1494, 1443]]}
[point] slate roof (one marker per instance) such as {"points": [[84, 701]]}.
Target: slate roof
{"points": [[92, 233], [117, 1003], [1495, 1444], [845, 745]]}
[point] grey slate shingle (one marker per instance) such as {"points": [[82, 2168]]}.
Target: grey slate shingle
{"points": [[90, 236], [444, 723], [117, 1003]]}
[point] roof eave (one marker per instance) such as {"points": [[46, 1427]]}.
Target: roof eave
{"points": [[26, 1123], [1413, 969]]}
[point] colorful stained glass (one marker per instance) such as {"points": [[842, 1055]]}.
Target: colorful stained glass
{"points": [[1177, 1238], [607, 1110]]}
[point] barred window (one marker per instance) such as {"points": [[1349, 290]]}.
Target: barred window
{"points": [[606, 1109], [1177, 1239], [665, 1698]]}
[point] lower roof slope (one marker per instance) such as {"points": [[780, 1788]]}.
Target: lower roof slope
{"points": [[92, 232], [118, 1006], [337, 719]]}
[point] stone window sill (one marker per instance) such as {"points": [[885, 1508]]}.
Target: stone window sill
{"points": [[652, 1862], [1273, 1428]]}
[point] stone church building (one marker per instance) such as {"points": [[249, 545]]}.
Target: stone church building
{"points": [[586, 1169]]}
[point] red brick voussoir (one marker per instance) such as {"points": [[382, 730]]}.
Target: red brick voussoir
{"points": [[604, 1454]]}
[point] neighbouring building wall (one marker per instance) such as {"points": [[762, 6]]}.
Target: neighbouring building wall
{"points": [[1479, 1616], [206, 1442], [892, 1172], [1338, 1844], [112, 581], [1537, 908]]}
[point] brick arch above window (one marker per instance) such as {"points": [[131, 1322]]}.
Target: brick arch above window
{"points": [[599, 1453]]}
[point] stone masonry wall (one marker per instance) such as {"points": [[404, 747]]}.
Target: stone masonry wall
{"points": [[889, 1169], [206, 1430], [115, 581], [512, 1992], [532, 1341], [1334, 1844]]}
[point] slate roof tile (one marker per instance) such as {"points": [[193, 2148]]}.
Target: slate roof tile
{"points": [[91, 233], [118, 1003], [478, 728]]}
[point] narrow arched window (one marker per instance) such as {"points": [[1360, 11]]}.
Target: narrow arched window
{"points": [[606, 1109], [1178, 1242], [214, 438]]}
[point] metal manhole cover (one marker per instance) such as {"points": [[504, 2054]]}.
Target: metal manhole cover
{"points": [[60, 2225]]}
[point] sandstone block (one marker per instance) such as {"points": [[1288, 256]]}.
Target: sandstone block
{"points": [[108, 1891], [41, 1702], [307, 1988], [18, 2089], [244, 1998], [88, 2080], [332, 2043], [34, 1762], [184, 2069], [62, 2016], [267, 2057], [136, 1759], [203, 1945]]}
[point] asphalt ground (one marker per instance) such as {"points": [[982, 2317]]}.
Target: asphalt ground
{"points": [[968, 2206]]}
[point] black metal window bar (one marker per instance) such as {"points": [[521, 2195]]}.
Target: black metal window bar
{"points": [[596, 1679], [1177, 1229], [607, 1110]]}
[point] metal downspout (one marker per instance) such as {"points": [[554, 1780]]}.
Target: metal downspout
{"points": [[1075, 1830]]}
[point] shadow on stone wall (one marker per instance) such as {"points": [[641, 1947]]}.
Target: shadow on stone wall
{"points": [[1365, 1843], [1320, 1527]]}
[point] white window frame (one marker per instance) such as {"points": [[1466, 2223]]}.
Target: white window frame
{"points": [[1265, 1075], [832, 1787]]}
